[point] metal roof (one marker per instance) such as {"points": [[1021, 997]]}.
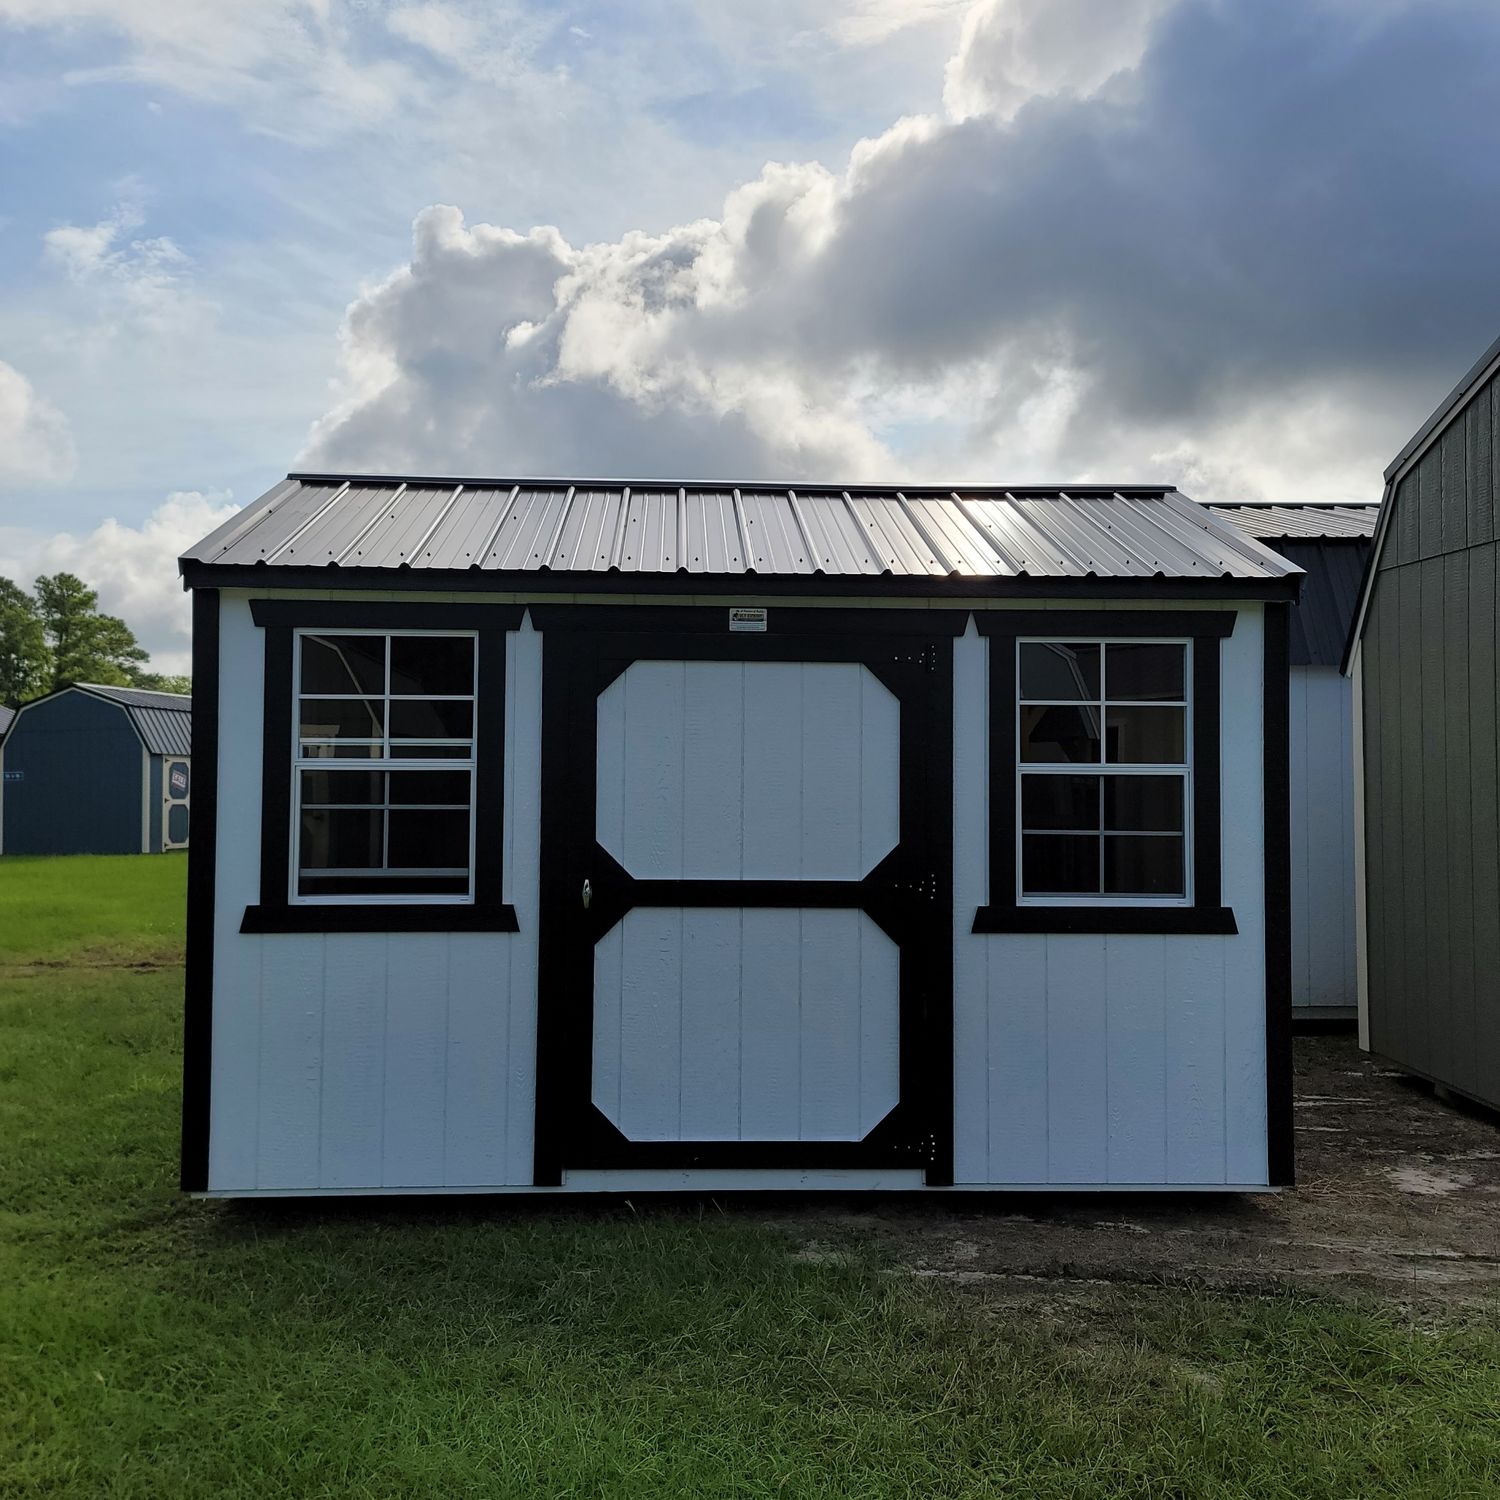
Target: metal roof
{"points": [[6, 715], [321, 523], [1273, 522], [164, 721]]}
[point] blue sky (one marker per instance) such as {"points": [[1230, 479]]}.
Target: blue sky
{"points": [[1241, 245]]}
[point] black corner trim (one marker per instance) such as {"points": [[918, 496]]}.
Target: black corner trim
{"points": [[331, 917], [279, 618], [1212, 920], [1207, 629], [198, 990], [1276, 684]]}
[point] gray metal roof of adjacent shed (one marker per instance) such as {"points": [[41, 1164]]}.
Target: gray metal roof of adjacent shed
{"points": [[325, 522], [1280, 521], [164, 721], [6, 715]]}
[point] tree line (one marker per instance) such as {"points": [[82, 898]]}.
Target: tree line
{"points": [[57, 635]]}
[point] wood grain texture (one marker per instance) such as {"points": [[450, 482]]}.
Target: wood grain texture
{"points": [[747, 770], [727, 1024]]}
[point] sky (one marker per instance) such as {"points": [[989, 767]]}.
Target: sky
{"points": [[1241, 246]]}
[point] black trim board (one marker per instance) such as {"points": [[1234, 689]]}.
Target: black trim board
{"points": [[413, 916], [197, 575], [1276, 742], [908, 894], [1207, 914], [203, 819], [279, 618]]}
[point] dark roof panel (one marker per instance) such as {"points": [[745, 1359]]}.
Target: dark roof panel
{"points": [[594, 526]]}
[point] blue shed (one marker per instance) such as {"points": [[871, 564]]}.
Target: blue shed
{"points": [[92, 769]]}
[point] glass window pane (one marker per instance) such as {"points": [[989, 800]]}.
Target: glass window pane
{"points": [[1142, 804], [453, 751], [1143, 866], [340, 839], [1053, 802], [432, 664], [426, 718], [1059, 865], [343, 788], [1144, 736], [341, 718], [429, 840], [343, 750], [1056, 735], [1144, 670], [430, 788], [343, 664], [1065, 670]]}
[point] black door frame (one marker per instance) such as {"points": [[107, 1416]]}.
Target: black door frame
{"points": [[908, 894]]}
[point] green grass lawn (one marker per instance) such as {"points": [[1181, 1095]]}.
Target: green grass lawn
{"points": [[157, 1347]]}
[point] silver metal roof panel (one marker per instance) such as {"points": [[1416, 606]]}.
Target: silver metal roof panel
{"points": [[1331, 522], [717, 530]]}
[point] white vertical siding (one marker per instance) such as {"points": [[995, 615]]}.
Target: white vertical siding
{"points": [[740, 1025], [353, 1061], [1093, 1060], [1324, 956], [367, 1062], [748, 770]]}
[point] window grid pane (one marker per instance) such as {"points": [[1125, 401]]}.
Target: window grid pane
{"points": [[1120, 833], [420, 789]]}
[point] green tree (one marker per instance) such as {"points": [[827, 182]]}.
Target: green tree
{"points": [[161, 682], [24, 658], [87, 646]]}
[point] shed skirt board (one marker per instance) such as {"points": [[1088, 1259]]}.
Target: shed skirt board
{"points": [[745, 954]]}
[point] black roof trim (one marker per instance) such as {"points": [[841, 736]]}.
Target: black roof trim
{"points": [[538, 585]]}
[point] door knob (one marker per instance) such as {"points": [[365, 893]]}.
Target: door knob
{"points": [[588, 893]]}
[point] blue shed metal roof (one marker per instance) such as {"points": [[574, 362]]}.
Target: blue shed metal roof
{"points": [[164, 721], [323, 522]]}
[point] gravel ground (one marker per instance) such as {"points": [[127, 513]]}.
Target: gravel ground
{"points": [[1398, 1194]]}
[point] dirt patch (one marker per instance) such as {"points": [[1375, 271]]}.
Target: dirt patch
{"points": [[1398, 1193]]}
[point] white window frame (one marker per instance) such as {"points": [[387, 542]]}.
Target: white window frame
{"points": [[1184, 769], [385, 763]]}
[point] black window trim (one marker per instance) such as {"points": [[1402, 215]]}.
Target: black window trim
{"points": [[488, 912], [1207, 629]]}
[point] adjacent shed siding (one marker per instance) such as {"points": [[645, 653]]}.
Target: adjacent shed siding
{"points": [[1113, 1060], [1322, 807], [1432, 841], [79, 779], [361, 1060]]}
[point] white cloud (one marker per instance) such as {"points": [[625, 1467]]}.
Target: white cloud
{"points": [[1062, 277], [134, 568], [1012, 51], [141, 279], [35, 443], [298, 67]]}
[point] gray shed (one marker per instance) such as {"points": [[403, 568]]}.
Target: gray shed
{"points": [[1331, 544], [1423, 660], [589, 835], [94, 769]]}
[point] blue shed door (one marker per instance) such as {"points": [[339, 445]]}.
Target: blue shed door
{"points": [[176, 787]]}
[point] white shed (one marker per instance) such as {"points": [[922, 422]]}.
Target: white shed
{"points": [[590, 836]]}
